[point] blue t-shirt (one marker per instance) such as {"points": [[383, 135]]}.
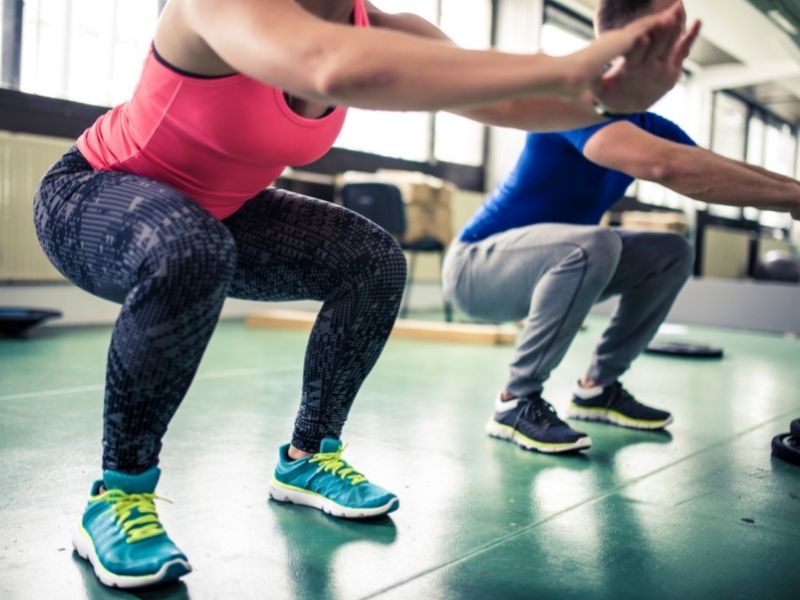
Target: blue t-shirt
{"points": [[553, 182]]}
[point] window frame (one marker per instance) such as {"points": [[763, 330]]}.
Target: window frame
{"points": [[12, 44], [22, 112], [768, 118]]}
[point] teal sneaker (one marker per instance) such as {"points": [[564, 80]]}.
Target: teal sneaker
{"points": [[325, 481], [121, 536]]}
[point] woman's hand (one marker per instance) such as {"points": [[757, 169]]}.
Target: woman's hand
{"points": [[628, 69], [650, 68]]}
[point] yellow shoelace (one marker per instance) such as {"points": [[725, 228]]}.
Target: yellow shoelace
{"points": [[333, 463], [144, 526]]}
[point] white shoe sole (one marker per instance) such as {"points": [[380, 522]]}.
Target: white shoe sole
{"points": [[603, 415], [281, 492], [170, 571], [504, 432]]}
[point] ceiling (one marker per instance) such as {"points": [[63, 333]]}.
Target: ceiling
{"points": [[751, 47], [784, 13]]}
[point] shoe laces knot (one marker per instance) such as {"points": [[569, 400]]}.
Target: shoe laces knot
{"points": [[541, 411], [621, 398], [135, 514], [333, 463]]}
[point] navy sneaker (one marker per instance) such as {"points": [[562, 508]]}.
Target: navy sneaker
{"points": [[615, 405], [534, 425]]}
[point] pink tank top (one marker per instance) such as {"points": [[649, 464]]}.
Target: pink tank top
{"points": [[219, 140]]}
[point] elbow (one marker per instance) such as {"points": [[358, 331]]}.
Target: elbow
{"points": [[346, 76], [664, 169], [661, 172], [681, 176], [327, 78], [320, 76], [345, 85], [319, 72]]}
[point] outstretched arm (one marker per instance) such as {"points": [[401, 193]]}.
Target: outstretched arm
{"points": [[383, 69], [651, 69], [691, 171], [536, 113]]}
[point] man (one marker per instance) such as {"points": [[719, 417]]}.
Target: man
{"points": [[534, 251]]}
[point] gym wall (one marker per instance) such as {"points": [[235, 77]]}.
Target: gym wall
{"points": [[23, 161]]}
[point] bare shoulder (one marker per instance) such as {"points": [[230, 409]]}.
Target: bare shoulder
{"points": [[373, 11], [405, 22], [180, 44]]}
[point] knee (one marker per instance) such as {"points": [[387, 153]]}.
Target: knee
{"points": [[602, 249], [679, 253], [386, 263]]}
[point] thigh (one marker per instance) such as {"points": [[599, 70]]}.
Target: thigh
{"points": [[102, 228], [496, 277], [292, 247], [646, 254]]}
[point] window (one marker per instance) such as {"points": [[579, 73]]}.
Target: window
{"points": [[557, 41], [779, 148], [728, 133], [756, 133], [797, 161], [456, 139], [745, 132], [780, 144], [673, 106], [92, 51], [728, 138], [390, 133], [85, 50], [562, 32], [421, 136]]}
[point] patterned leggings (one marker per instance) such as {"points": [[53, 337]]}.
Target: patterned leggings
{"points": [[140, 243]]}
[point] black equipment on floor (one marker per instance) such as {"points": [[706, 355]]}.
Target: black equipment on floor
{"points": [[778, 265], [684, 349], [786, 447], [16, 321]]}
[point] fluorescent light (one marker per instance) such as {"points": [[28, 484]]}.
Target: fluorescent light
{"points": [[782, 21]]}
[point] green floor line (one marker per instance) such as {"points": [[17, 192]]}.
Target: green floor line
{"points": [[227, 374], [593, 500]]}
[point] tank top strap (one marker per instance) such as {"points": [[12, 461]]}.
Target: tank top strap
{"points": [[361, 15]]}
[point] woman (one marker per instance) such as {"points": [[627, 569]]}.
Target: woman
{"points": [[162, 207]]}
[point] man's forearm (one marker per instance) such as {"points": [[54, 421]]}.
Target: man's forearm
{"points": [[770, 174], [709, 177]]}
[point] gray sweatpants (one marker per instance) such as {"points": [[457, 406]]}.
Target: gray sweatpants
{"points": [[552, 274]]}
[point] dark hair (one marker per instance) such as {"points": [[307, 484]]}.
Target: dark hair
{"points": [[613, 14]]}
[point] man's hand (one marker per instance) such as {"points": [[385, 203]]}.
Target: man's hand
{"points": [[651, 67]]}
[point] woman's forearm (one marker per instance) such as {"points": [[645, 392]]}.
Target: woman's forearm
{"points": [[277, 42], [395, 71]]}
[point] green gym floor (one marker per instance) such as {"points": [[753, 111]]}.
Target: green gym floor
{"points": [[702, 511]]}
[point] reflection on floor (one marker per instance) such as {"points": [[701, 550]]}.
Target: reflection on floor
{"points": [[700, 510]]}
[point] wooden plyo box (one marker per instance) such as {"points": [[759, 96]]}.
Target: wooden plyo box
{"points": [[467, 333]]}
